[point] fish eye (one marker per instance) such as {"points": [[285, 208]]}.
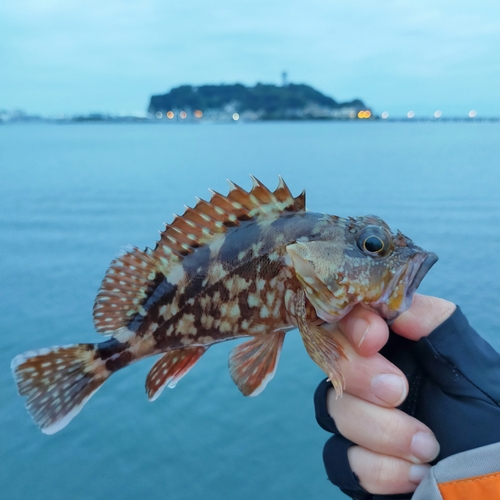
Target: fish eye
{"points": [[373, 244], [374, 241]]}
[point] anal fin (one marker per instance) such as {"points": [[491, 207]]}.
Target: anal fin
{"points": [[170, 368], [253, 364]]}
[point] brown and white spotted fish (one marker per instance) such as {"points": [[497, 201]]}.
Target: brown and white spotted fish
{"points": [[250, 264]]}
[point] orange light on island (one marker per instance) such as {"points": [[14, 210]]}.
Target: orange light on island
{"points": [[364, 114], [170, 115], [198, 113]]}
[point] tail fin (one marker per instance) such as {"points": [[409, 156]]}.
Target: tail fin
{"points": [[57, 382]]}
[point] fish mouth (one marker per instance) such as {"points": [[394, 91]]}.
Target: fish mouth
{"points": [[400, 292], [418, 274]]}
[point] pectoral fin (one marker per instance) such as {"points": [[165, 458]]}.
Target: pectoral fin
{"points": [[170, 368], [253, 364], [320, 344]]}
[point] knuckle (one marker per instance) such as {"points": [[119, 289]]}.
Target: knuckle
{"points": [[383, 472], [390, 429], [379, 474]]}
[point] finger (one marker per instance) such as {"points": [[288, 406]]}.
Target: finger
{"points": [[373, 378], [376, 382], [388, 431], [385, 475], [425, 314], [366, 331]]}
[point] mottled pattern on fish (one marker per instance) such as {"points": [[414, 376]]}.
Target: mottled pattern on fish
{"points": [[249, 264]]}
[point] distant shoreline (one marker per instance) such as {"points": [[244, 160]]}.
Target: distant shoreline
{"points": [[237, 103], [110, 119]]}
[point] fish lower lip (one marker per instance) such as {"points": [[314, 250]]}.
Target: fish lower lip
{"points": [[418, 268], [429, 261]]}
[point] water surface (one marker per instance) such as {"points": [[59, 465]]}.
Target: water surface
{"points": [[72, 196]]}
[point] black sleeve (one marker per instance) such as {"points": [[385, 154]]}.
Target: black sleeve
{"points": [[454, 388]]}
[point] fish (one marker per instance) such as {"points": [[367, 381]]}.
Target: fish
{"points": [[249, 264]]}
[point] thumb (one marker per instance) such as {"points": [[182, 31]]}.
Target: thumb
{"points": [[425, 314]]}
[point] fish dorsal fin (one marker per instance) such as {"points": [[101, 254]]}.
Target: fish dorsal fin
{"points": [[132, 278], [259, 201], [200, 225]]}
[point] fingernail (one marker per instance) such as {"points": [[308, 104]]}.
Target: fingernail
{"points": [[391, 389], [358, 328], [417, 473], [424, 446]]}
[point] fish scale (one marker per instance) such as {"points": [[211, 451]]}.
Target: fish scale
{"points": [[250, 264]]}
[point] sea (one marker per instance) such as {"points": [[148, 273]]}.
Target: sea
{"points": [[73, 196]]}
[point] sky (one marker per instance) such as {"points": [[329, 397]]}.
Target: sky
{"points": [[81, 56]]}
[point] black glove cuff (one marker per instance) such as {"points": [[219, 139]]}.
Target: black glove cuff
{"points": [[339, 471], [322, 416]]}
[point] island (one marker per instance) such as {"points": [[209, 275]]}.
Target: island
{"points": [[260, 102]]}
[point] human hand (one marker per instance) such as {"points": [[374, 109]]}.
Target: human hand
{"points": [[393, 448]]}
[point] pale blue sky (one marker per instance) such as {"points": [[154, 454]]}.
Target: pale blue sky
{"points": [[79, 56]]}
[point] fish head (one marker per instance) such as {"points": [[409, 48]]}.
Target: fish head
{"points": [[360, 261]]}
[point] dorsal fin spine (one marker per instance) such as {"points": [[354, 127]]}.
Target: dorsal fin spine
{"points": [[229, 206], [176, 229], [255, 200], [196, 216], [255, 182], [300, 200]]}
